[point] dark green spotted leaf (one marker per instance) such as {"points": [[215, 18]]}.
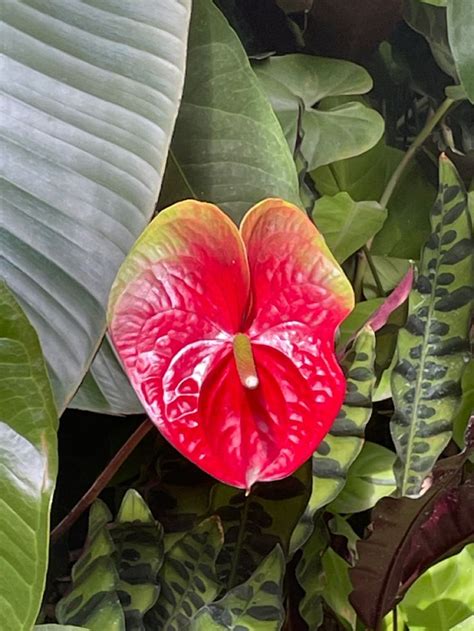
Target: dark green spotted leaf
{"points": [[310, 575], [341, 446], [114, 582], [138, 556], [433, 347], [93, 601], [256, 605], [188, 578], [253, 525]]}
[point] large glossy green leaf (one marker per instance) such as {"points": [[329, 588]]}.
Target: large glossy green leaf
{"points": [[460, 15], [92, 92], [433, 346], [256, 605], [28, 465], [253, 525], [332, 131], [227, 142], [114, 582], [347, 225], [331, 461], [369, 479], [227, 148], [443, 596], [364, 177], [188, 578]]}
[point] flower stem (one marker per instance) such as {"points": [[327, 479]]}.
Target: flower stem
{"points": [[240, 540], [391, 186], [103, 480]]}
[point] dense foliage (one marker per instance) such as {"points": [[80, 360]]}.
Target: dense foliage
{"points": [[359, 114]]}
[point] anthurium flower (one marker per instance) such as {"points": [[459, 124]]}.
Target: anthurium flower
{"points": [[227, 336]]}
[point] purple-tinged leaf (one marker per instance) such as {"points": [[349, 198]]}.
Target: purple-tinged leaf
{"points": [[410, 535]]}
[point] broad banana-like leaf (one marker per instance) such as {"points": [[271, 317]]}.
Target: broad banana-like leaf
{"points": [[433, 347], [91, 93]]}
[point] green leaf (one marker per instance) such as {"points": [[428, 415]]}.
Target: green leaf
{"points": [[227, 142], [114, 582], [188, 577], [461, 37], [364, 178], [433, 346], [138, 542], [336, 453], [338, 587], [331, 132], [94, 601], [256, 605], [390, 271], [253, 525], [28, 466], [369, 479], [356, 319], [227, 148], [430, 21], [345, 224], [58, 627], [310, 575], [442, 597], [92, 93], [466, 408]]}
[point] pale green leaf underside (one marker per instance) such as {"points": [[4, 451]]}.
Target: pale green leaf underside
{"points": [[28, 464], [91, 94]]}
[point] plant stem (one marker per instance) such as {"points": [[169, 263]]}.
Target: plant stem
{"points": [[182, 175], [240, 539], [419, 140], [391, 186], [102, 481]]}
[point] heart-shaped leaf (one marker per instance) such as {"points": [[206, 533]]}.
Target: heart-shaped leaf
{"points": [[299, 82]]}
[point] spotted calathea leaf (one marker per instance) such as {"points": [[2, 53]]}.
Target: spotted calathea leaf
{"points": [[310, 575], [254, 524], [433, 346], [188, 578], [115, 579], [138, 555], [256, 605], [93, 601], [345, 439]]}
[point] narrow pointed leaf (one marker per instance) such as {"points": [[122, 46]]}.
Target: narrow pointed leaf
{"points": [[114, 582], [345, 439], [256, 605], [188, 578], [139, 555], [266, 517], [91, 95], [433, 346], [93, 601], [310, 575], [28, 465]]}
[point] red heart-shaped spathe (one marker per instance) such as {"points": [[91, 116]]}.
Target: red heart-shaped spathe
{"points": [[188, 290]]}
